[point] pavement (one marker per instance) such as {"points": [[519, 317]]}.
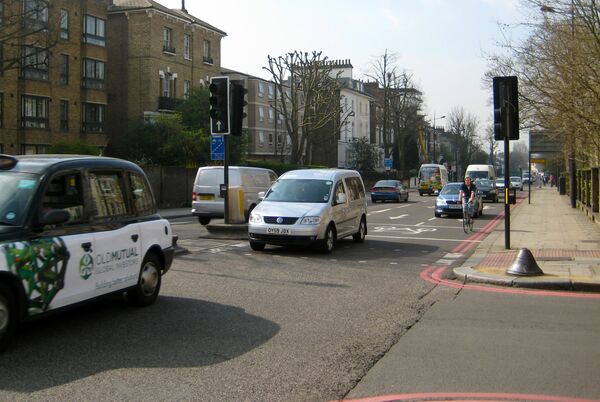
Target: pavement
{"points": [[545, 232], [562, 241]]}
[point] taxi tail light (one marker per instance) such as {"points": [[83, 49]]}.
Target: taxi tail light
{"points": [[194, 198]]}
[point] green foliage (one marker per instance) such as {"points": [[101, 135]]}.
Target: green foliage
{"points": [[278, 167], [195, 110], [364, 155], [73, 148]]}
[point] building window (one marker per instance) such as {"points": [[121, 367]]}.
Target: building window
{"points": [[64, 24], [93, 118], [261, 114], [261, 138], [207, 58], [186, 46], [270, 138], [93, 74], [167, 36], [1, 58], [271, 115], [64, 69], [167, 85], [64, 115], [261, 89], [35, 63], [271, 91], [187, 86], [1, 12], [34, 112], [1, 110], [33, 149], [94, 31], [35, 14]]}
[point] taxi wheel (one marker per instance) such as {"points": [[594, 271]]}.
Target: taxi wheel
{"points": [[257, 246], [8, 321], [328, 242], [148, 286], [203, 220], [359, 236]]}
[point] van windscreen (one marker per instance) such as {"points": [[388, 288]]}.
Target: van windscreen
{"points": [[478, 174]]}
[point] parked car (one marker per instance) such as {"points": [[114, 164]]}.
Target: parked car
{"points": [[310, 206], [500, 183], [488, 189], [447, 202], [391, 190], [208, 201], [73, 228], [516, 182]]}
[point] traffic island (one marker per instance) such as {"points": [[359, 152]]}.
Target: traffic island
{"points": [[231, 231]]}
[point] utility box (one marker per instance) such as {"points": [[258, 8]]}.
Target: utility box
{"points": [[236, 205]]}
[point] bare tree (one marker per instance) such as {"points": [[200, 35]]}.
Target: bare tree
{"points": [[559, 72], [463, 128], [25, 34], [308, 97], [491, 143]]}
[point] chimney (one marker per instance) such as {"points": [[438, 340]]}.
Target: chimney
{"points": [[183, 6]]}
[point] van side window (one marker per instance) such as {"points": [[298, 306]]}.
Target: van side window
{"points": [[65, 192], [355, 188], [142, 195], [339, 189], [107, 196]]}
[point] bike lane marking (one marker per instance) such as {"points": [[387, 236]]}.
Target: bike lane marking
{"points": [[469, 396]]}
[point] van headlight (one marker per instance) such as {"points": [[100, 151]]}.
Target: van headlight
{"points": [[310, 220], [255, 218]]}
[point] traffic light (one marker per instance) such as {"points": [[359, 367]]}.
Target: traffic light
{"points": [[219, 105], [506, 108], [238, 102]]}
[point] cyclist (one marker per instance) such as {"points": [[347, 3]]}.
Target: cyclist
{"points": [[467, 194]]}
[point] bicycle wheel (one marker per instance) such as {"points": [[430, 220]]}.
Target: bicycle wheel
{"points": [[465, 222], [470, 223]]}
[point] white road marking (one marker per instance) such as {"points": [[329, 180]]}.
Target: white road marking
{"points": [[420, 223], [453, 255], [432, 219], [423, 238], [444, 262], [399, 216], [379, 211], [379, 229]]}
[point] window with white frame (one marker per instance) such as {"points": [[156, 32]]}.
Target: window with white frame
{"points": [[35, 112], [261, 138], [271, 115], [206, 56], [261, 89], [186, 46], [167, 38], [261, 114], [187, 87], [271, 91], [94, 32]]}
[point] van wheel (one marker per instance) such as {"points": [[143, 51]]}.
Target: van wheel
{"points": [[148, 286], [359, 236], [257, 246], [328, 242], [203, 220], [8, 316]]}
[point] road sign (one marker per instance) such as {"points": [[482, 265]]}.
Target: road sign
{"points": [[217, 148], [387, 162]]}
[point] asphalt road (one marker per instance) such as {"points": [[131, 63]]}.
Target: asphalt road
{"points": [[234, 324]]}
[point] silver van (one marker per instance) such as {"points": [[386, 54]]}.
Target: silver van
{"points": [[312, 206], [207, 201]]}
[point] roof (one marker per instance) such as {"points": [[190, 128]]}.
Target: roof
{"points": [[44, 162], [318, 174], [132, 5]]}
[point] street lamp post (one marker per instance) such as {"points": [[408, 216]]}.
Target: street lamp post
{"points": [[435, 134]]}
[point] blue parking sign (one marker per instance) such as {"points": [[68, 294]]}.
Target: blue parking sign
{"points": [[387, 163], [217, 148]]}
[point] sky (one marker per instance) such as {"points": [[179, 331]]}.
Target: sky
{"points": [[442, 43]]}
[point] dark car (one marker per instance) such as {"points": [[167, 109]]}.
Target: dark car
{"points": [[488, 189], [389, 190], [74, 228], [447, 202]]}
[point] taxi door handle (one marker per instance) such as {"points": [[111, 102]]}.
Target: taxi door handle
{"points": [[134, 238]]}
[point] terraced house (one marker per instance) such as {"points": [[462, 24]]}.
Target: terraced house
{"points": [[52, 81]]}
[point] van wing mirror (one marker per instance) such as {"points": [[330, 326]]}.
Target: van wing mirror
{"points": [[340, 198], [261, 195]]}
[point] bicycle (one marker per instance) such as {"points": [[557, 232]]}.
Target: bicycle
{"points": [[467, 220]]}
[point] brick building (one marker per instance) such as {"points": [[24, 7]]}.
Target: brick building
{"points": [[52, 84], [161, 55]]}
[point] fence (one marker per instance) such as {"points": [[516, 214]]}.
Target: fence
{"points": [[172, 186]]}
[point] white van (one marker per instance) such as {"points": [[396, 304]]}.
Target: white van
{"points": [[207, 201], [481, 172], [310, 206]]}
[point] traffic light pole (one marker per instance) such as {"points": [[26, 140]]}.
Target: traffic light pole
{"points": [[226, 179], [506, 194]]}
